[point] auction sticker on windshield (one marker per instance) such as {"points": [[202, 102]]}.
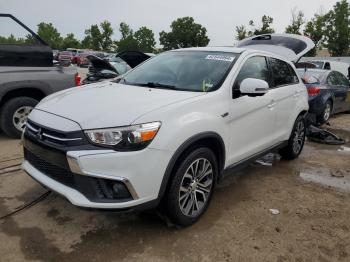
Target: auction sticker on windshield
{"points": [[220, 58]]}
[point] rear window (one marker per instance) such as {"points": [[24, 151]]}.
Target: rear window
{"points": [[318, 64]]}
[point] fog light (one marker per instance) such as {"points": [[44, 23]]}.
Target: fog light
{"points": [[120, 191]]}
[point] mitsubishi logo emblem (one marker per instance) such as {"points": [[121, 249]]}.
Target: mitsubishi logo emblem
{"points": [[39, 134]]}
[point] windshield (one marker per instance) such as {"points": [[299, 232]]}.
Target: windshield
{"points": [[199, 71]]}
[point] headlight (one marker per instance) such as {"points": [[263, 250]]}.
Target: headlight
{"points": [[128, 138]]}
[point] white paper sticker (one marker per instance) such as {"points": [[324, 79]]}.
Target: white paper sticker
{"points": [[220, 58]]}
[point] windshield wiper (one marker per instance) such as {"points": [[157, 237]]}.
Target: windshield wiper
{"points": [[156, 85]]}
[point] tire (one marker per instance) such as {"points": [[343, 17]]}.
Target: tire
{"points": [[326, 113], [296, 141], [199, 190], [9, 122]]}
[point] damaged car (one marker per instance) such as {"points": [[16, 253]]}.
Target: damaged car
{"points": [[102, 69], [187, 118], [329, 93]]}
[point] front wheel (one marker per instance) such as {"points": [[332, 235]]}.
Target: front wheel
{"points": [[192, 186], [296, 141]]}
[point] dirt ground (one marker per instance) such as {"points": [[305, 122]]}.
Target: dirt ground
{"points": [[313, 223]]}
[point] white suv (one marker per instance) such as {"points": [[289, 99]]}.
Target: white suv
{"points": [[167, 131]]}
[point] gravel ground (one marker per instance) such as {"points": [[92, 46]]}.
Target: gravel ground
{"points": [[312, 225]]}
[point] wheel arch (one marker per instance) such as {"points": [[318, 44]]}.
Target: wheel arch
{"points": [[211, 140], [32, 92]]}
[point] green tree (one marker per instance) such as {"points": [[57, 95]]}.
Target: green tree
{"points": [[145, 39], [266, 23], [184, 33], [70, 42], [314, 29], [337, 29], [93, 38], [127, 41], [241, 32], [99, 38], [297, 22], [106, 35], [50, 34]]}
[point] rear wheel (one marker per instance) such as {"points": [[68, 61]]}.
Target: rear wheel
{"points": [[191, 188], [14, 114], [296, 140], [326, 114]]}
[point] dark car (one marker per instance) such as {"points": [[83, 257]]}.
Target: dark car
{"points": [[329, 92], [102, 69], [65, 58]]}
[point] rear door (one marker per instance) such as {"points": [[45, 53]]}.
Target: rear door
{"points": [[344, 90], [289, 46], [334, 84], [20, 46]]}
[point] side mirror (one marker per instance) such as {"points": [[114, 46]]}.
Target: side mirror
{"points": [[254, 86]]}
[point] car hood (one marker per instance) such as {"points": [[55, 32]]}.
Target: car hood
{"points": [[100, 64], [107, 104]]}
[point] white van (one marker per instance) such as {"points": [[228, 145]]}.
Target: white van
{"points": [[332, 65]]}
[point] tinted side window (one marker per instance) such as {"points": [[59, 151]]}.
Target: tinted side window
{"points": [[254, 67], [282, 73], [332, 79], [342, 79]]}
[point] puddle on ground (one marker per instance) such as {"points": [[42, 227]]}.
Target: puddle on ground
{"points": [[337, 179], [344, 149]]}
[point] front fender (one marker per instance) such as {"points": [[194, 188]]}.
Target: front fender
{"points": [[188, 118]]}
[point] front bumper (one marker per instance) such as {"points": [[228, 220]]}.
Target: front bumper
{"points": [[141, 172]]}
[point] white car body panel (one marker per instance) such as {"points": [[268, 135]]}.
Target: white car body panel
{"points": [[120, 104]]}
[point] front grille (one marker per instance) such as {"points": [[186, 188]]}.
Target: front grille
{"points": [[55, 172], [55, 137]]}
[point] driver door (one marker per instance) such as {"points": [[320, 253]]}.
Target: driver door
{"points": [[252, 118]]}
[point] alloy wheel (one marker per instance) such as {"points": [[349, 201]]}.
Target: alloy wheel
{"points": [[195, 187], [327, 112], [299, 137]]}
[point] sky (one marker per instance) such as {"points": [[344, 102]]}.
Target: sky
{"points": [[220, 17]]}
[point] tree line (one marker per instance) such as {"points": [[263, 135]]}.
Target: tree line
{"points": [[330, 30]]}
